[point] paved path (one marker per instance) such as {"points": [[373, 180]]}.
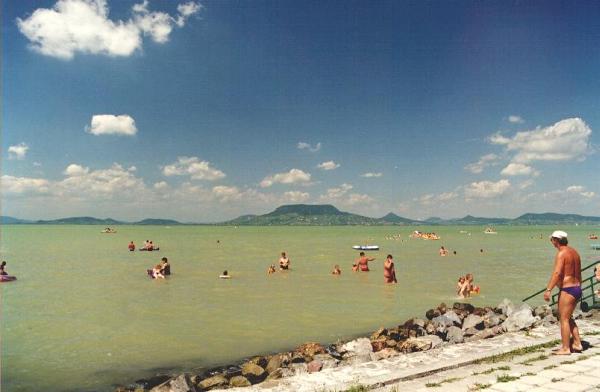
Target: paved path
{"points": [[462, 367]]}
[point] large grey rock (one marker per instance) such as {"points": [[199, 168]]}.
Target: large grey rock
{"points": [[384, 354], [506, 306], [181, 383], [491, 319], [542, 311], [519, 319], [472, 321], [442, 322], [549, 320], [455, 318], [435, 340], [326, 360], [454, 335], [463, 307], [360, 346]]}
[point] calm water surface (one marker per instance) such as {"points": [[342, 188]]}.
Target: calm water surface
{"points": [[84, 315]]}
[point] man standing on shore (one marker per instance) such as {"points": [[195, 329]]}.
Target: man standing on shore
{"points": [[567, 276]]}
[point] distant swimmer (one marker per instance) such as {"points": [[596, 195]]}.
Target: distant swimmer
{"points": [[131, 246], [271, 269], [443, 251], [462, 287], [165, 266], [363, 262], [354, 267], [389, 271], [156, 272], [3, 268], [473, 289], [225, 275], [336, 270], [284, 262], [454, 253]]}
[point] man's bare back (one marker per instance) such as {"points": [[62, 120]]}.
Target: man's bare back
{"points": [[568, 266]]}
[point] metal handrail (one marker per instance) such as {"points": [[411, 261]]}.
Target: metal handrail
{"points": [[555, 296]]}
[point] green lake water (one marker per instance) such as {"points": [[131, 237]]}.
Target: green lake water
{"points": [[84, 316]]}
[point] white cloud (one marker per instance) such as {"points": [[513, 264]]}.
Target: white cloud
{"points": [[580, 190], [83, 26], [109, 124], [336, 193], [519, 169], [226, 193], [329, 165], [486, 189], [295, 197], [20, 185], [484, 161], [196, 169], [514, 119], [566, 140], [432, 199], [74, 170], [294, 176], [306, 146], [371, 175], [160, 186], [357, 198], [18, 152]]}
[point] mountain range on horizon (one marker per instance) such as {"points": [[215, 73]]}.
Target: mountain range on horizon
{"points": [[326, 215]]}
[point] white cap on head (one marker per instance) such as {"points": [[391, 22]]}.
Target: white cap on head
{"points": [[559, 234]]}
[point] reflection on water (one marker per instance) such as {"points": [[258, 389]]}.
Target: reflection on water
{"points": [[84, 315]]}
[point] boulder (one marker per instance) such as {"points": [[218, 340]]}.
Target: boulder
{"points": [[213, 382], [432, 313], [253, 372], [491, 319], [360, 346], [479, 311], [549, 320], [391, 343], [333, 351], [327, 360], [379, 344], [498, 329], [454, 335], [435, 340], [239, 381], [381, 332], [297, 358], [310, 349], [152, 381], [442, 308], [298, 368], [519, 319], [463, 307], [279, 373], [506, 307], [455, 318], [260, 361], [384, 354], [430, 328], [314, 366], [470, 332], [542, 311], [418, 322], [415, 344], [473, 321], [275, 363]]}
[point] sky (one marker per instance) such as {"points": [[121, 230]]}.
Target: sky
{"points": [[202, 111]]}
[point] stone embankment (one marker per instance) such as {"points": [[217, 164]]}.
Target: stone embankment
{"points": [[447, 337]]}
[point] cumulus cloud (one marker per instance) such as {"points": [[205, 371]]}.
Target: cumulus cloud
{"points": [[294, 176], [336, 193], [306, 146], [514, 119], [109, 124], [226, 193], [566, 140], [295, 197], [482, 163], [98, 184], [486, 189], [83, 26], [21, 185], [432, 199], [18, 152], [519, 169], [358, 198], [196, 169], [580, 190], [74, 170], [329, 165], [371, 175]]}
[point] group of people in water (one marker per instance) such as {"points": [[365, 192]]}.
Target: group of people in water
{"points": [[161, 269], [465, 287], [148, 246]]}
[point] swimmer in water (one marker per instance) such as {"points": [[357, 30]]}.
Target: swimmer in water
{"points": [[284, 262], [336, 270], [271, 269]]}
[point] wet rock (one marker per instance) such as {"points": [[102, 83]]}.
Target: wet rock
{"points": [[463, 307], [384, 354], [542, 311], [452, 316], [260, 361], [239, 381], [454, 335], [415, 344], [491, 319], [381, 332], [442, 308], [253, 372], [275, 363], [379, 344], [506, 307], [279, 373], [432, 313], [310, 349], [297, 358], [213, 382], [314, 366], [519, 319], [181, 383], [327, 360], [473, 321]]}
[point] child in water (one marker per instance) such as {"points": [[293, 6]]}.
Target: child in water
{"points": [[271, 269], [156, 272], [336, 270], [354, 267]]}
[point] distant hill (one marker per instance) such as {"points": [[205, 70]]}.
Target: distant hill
{"points": [[312, 215], [474, 221], [158, 222], [9, 220], [79, 220], [550, 218], [398, 220]]}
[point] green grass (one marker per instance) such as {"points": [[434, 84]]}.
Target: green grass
{"points": [[492, 370], [534, 359], [518, 352], [557, 379], [550, 367], [478, 386], [439, 384], [506, 378], [358, 388]]}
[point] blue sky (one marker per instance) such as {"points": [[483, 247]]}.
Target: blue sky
{"points": [[205, 110]]}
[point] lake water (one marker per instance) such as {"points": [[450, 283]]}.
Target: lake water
{"points": [[84, 315]]}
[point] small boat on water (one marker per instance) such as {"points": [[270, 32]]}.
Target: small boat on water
{"points": [[7, 278], [365, 247], [490, 230], [592, 237], [595, 246], [108, 230]]}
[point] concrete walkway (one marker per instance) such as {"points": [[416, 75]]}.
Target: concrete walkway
{"points": [[476, 365]]}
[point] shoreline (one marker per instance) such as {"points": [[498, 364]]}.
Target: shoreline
{"points": [[416, 340]]}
